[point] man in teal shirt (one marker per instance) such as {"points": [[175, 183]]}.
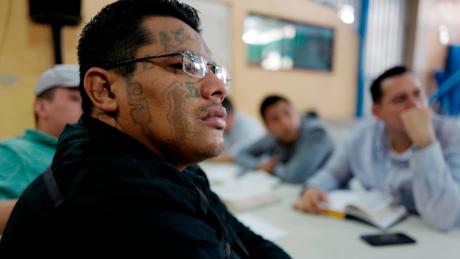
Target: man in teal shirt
{"points": [[23, 158]]}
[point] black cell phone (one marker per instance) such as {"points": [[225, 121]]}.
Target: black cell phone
{"points": [[387, 239]]}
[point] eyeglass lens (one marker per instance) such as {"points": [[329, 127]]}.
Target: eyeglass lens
{"points": [[196, 66]]}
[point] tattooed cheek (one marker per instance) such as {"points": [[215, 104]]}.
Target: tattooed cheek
{"points": [[193, 90], [134, 88], [147, 66], [140, 113], [139, 116]]}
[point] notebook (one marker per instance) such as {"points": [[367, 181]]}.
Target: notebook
{"points": [[373, 207], [251, 190]]}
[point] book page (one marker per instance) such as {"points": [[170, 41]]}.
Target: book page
{"points": [[372, 206], [260, 227], [372, 202], [253, 189], [219, 173], [339, 199]]}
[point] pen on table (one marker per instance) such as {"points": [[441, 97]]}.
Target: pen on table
{"points": [[327, 211], [333, 213]]}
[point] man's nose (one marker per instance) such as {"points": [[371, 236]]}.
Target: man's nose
{"points": [[213, 88], [285, 121]]}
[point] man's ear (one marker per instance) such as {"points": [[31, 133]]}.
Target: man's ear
{"points": [[41, 107], [376, 110], [97, 83]]}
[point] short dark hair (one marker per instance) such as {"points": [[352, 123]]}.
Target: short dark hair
{"points": [[227, 105], [47, 94], [269, 101], [115, 34], [312, 114], [376, 86]]}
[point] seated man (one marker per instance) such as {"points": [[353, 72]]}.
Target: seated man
{"points": [[294, 149], [123, 182], [23, 158], [240, 131], [408, 152]]}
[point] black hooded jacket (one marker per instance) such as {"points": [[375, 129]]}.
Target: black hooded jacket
{"points": [[109, 195]]}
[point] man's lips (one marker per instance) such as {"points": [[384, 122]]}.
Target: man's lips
{"points": [[215, 116]]}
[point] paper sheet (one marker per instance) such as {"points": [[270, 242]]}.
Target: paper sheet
{"points": [[261, 227]]}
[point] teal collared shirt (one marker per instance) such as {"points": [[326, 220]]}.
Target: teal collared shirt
{"points": [[22, 159]]}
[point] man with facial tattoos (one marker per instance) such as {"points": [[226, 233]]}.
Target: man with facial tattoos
{"points": [[123, 181]]}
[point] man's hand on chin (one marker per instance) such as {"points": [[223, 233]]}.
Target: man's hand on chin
{"points": [[417, 122]]}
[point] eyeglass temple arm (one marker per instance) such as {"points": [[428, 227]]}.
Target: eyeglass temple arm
{"points": [[135, 60]]}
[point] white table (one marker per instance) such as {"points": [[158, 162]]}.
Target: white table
{"points": [[312, 236]]}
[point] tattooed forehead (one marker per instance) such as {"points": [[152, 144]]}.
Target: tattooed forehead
{"points": [[179, 39], [176, 36]]}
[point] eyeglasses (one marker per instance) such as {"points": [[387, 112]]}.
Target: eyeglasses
{"points": [[192, 64]]}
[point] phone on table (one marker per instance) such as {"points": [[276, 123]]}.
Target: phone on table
{"points": [[387, 239]]}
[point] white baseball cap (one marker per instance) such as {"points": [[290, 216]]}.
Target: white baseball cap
{"points": [[64, 75]]}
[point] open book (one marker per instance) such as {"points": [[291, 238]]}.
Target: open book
{"points": [[253, 189], [373, 207], [239, 188]]}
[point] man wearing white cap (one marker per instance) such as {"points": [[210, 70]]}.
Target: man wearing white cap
{"points": [[23, 158]]}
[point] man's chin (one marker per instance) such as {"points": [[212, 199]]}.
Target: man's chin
{"points": [[216, 151], [288, 140], [210, 152]]}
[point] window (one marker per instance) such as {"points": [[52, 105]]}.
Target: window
{"points": [[277, 44]]}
